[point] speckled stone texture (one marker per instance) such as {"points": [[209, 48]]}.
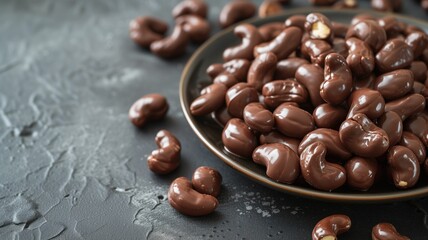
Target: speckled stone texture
{"points": [[72, 165]]}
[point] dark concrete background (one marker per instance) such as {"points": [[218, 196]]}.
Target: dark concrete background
{"points": [[73, 167]]}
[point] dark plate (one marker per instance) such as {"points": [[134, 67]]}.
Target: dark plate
{"points": [[194, 79]]}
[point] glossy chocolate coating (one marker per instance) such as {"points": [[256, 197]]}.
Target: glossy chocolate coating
{"points": [[360, 60], [412, 142], [258, 117], [386, 5], [146, 30], [417, 41], [361, 173], [337, 85], [283, 45], [293, 121], [394, 55], [167, 158], [370, 32], [407, 106], [395, 84], [190, 7], [287, 68], [262, 70], [392, 124], [319, 27], [296, 21], [238, 138], [235, 11], [238, 96], [392, 26], [329, 116], [250, 38], [195, 26], [331, 140], [339, 46], [271, 30], [186, 200], [403, 166], [386, 231], [317, 171], [172, 46], [311, 76], [419, 70], [277, 137], [366, 101], [207, 180], [418, 125], [211, 99], [362, 137], [317, 50], [282, 163], [361, 17], [230, 73], [329, 227], [150, 107], [269, 8], [277, 92]]}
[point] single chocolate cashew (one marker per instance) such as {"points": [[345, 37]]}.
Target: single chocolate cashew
{"points": [[366, 101], [146, 30], [258, 118], [196, 27], [404, 167], [167, 158], [190, 7], [149, 107], [250, 38], [262, 70], [283, 45], [211, 99], [386, 231], [235, 11], [229, 73], [187, 201], [328, 228], [172, 46], [207, 180], [337, 85]]}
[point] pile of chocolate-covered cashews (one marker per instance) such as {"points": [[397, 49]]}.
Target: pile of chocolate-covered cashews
{"points": [[336, 104]]}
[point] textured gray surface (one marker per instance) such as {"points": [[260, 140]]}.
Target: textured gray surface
{"points": [[73, 167]]}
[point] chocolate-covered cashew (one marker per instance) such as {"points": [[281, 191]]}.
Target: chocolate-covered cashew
{"points": [[367, 101], [283, 45], [403, 166], [317, 50], [269, 8], [293, 121], [392, 124], [386, 5], [317, 171], [331, 140], [329, 227], [337, 83], [329, 116], [386, 231], [360, 59], [187, 201], [418, 125], [361, 173], [412, 142], [362, 137], [395, 84], [195, 26], [271, 30], [238, 138], [392, 26], [370, 32], [262, 70], [167, 158], [190, 7], [171, 46], [418, 41], [277, 92], [407, 106], [282, 163], [207, 180], [319, 27], [395, 54], [311, 76], [277, 137], [146, 30], [149, 107], [211, 99], [258, 118], [235, 11], [419, 70], [230, 73], [238, 96], [361, 17], [287, 68], [250, 38], [296, 21]]}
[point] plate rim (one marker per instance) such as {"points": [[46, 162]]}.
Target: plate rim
{"points": [[287, 188]]}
